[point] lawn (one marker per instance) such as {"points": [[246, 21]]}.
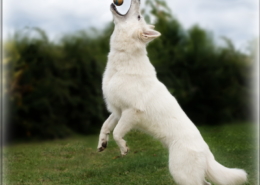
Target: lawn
{"points": [[76, 161]]}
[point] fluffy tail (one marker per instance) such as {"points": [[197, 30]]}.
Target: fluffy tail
{"points": [[222, 175]]}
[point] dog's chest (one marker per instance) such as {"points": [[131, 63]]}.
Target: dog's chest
{"points": [[123, 90], [118, 88]]}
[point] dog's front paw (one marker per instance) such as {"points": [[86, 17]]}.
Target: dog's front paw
{"points": [[103, 146], [124, 151]]}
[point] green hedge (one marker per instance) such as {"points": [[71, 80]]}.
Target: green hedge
{"points": [[55, 87]]}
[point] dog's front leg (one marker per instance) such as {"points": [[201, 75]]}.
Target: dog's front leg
{"points": [[206, 183], [125, 124], [108, 126]]}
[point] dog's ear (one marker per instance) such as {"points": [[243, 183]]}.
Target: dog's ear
{"points": [[148, 35]]}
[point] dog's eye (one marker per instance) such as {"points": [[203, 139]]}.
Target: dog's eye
{"points": [[139, 17]]}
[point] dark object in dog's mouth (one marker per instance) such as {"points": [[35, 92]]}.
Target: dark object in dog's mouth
{"points": [[113, 6]]}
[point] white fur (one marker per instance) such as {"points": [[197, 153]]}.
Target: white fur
{"points": [[138, 100]]}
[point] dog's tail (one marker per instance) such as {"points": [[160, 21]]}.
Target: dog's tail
{"points": [[222, 175]]}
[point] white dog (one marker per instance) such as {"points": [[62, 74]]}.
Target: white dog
{"points": [[137, 99]]}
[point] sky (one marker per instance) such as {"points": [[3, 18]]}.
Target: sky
{"points": [[237, 20]]}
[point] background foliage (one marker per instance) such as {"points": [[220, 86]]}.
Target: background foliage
{"points": [[55, 87]]}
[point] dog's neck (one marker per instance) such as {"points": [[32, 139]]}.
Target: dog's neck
{"points": [[131, 62], [127, 48]]}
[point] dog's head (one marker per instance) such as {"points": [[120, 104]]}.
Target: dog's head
{"points": [[131, 28]]}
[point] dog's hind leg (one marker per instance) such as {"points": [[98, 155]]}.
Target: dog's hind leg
{"points": [[187, 166], [107, 127], [127, 121]]}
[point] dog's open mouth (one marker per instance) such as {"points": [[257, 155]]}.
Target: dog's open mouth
{"points": [[113, 7]]}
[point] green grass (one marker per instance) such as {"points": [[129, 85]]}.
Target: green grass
{"points": [[76, 161]]}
